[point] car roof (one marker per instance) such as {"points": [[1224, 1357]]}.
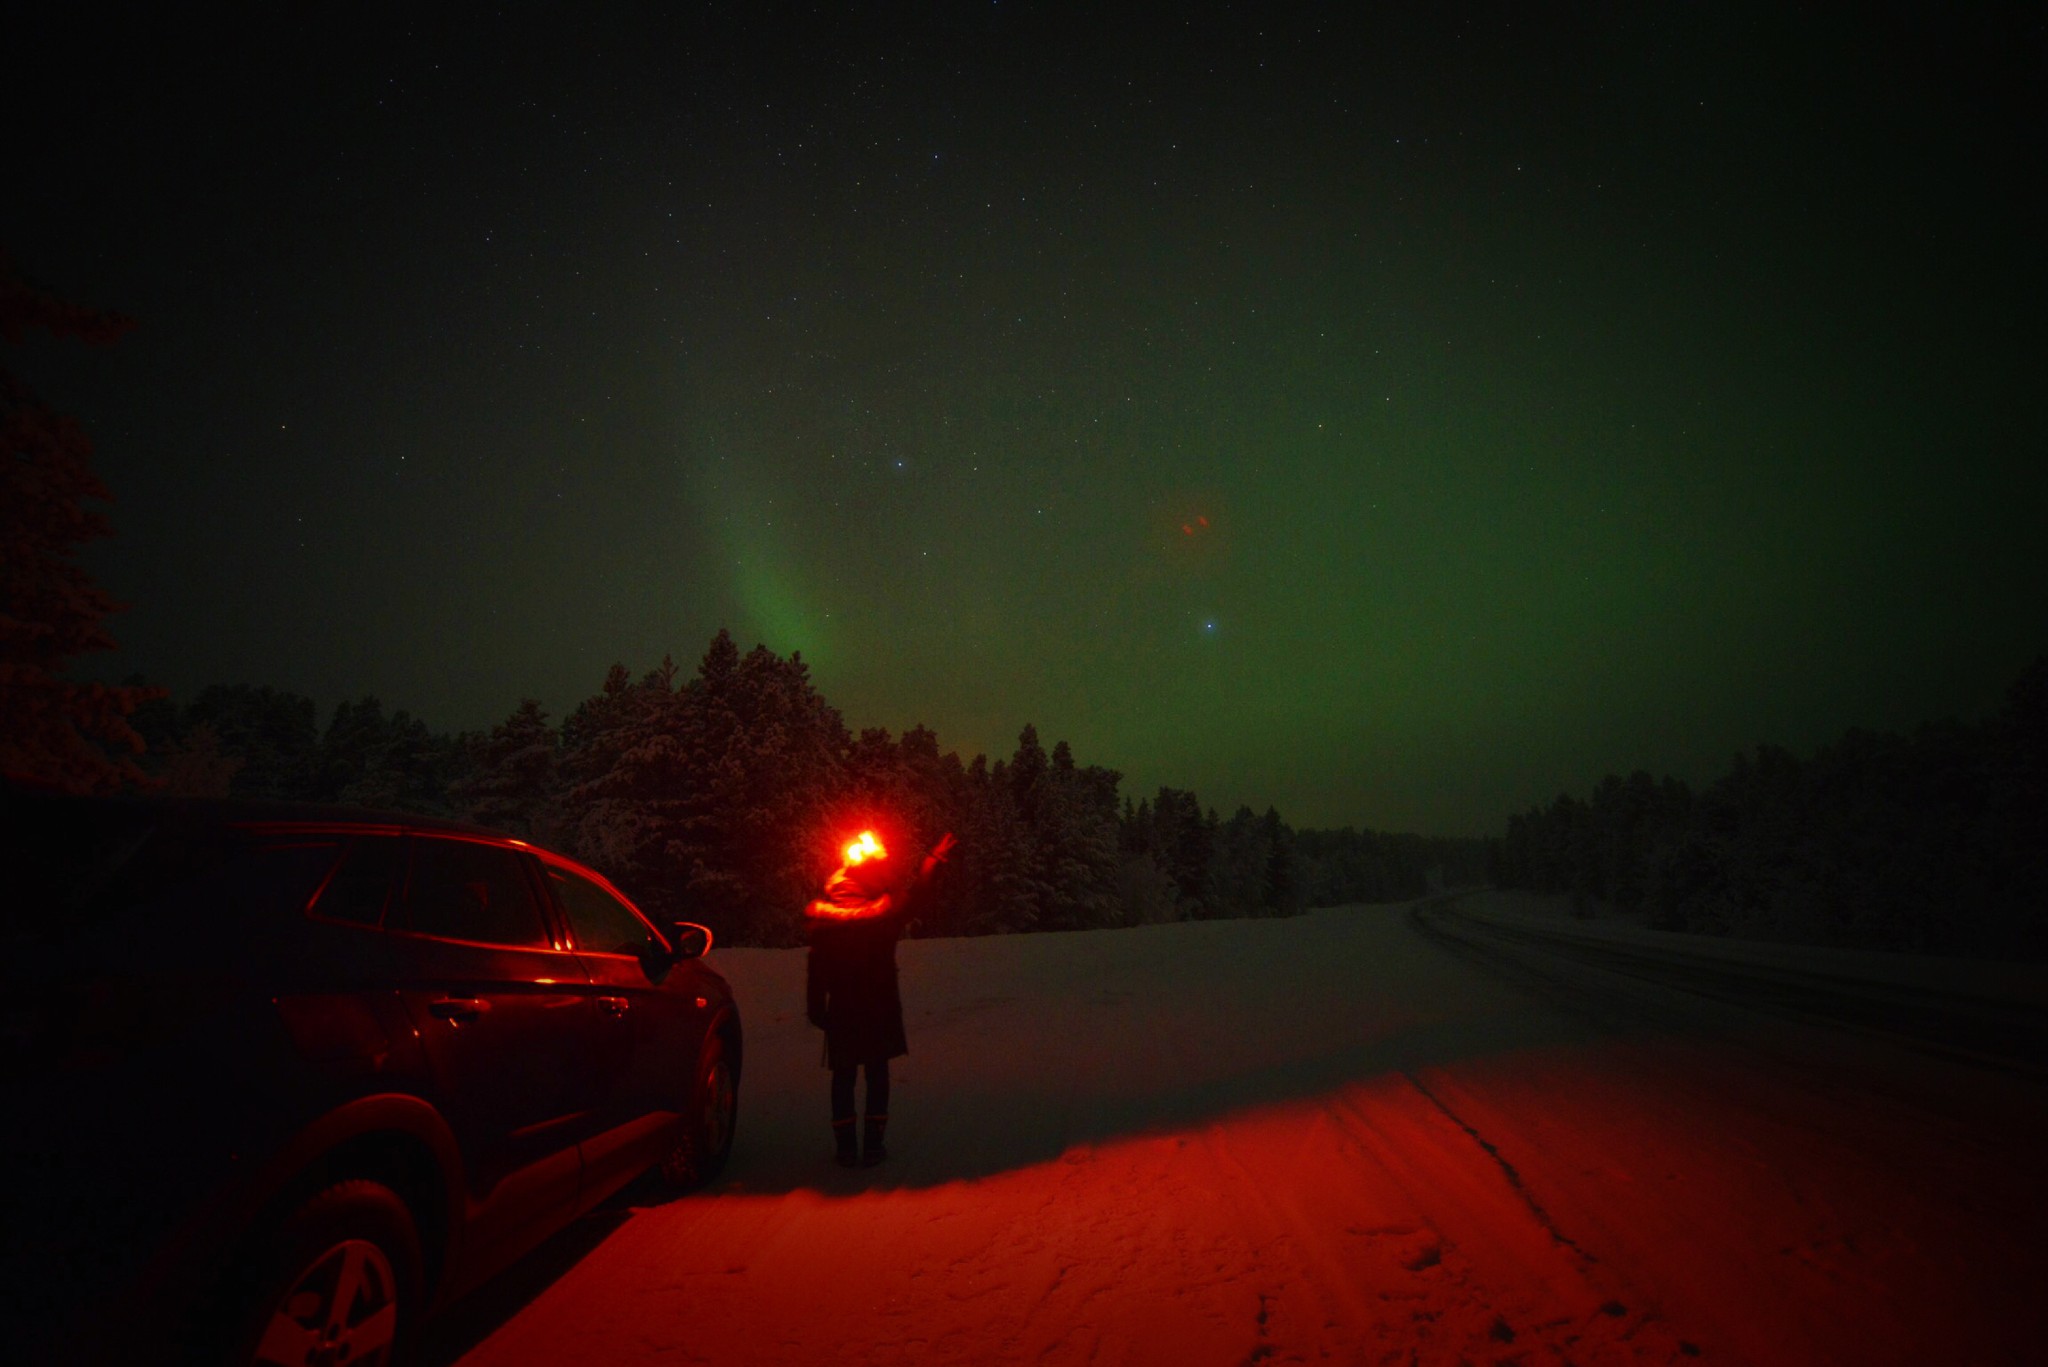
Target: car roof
{"points": [[259, 816]]}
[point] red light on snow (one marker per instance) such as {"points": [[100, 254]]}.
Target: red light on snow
{"points": [[864, 848]]}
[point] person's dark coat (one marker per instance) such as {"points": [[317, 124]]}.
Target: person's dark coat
{"points": [[850, 986]]}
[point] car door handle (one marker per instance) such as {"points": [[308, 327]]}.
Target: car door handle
{"points": [[459, 1009], [613, 1006]]}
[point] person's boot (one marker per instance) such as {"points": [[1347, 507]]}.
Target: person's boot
{"points": [[842, 1139], [872, 1149]]}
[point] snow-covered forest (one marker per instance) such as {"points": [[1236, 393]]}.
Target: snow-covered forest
{"points": [[719, 795], [722, 795], [1934, 842]]}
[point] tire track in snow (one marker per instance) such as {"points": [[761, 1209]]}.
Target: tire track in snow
{"points": [[1514, 1178], [1297, 1254], [1536, 1287], [1350, 1269]]}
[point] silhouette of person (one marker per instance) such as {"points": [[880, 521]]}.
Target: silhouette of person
{"points": [[850, 989]]}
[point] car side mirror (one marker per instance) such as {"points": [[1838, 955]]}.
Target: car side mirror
{"points": [[691, 940]]}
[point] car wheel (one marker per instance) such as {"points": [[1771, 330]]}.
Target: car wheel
{"points": [[340, 1284], [707, 1134]]}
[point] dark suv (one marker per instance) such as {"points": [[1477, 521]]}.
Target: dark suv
{"points": [[282, 1080]]}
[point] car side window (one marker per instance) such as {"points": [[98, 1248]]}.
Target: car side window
{"points": [[463, 890], [359, 889], [602, 923]]}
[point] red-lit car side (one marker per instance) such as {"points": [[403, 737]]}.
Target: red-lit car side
{"points": [[296, 1050]]}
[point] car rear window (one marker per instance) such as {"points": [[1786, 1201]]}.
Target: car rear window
{"points": [[360, 888], [466, 890]]}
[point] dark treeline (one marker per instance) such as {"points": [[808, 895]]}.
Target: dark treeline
{"points": [[724, 796], [1370, 866], [1935, 842]]}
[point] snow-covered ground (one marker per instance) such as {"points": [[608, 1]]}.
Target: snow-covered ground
{"points": [[1325, 1139]]}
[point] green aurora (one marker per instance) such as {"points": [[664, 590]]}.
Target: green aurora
{"points": [[1565, 394]]}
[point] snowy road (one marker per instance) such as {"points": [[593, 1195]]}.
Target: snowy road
{"points": [[1327, 1139]]}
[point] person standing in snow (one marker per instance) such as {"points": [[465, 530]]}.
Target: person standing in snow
{"points": [[850, 989]]}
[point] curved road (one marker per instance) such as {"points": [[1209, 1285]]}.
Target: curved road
{"points": [[1335, 1138]]}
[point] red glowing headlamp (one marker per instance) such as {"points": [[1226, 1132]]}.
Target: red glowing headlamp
{"points": [[863, 848]]}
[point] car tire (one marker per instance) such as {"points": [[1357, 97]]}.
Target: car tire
{"points": [[340, 1282], [706, 1142]]}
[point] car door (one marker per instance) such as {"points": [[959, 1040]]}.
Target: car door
{"points": [[504, 1018], [655, 1019]]}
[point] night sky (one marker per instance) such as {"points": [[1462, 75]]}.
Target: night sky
{"points": [[1397, 419]]}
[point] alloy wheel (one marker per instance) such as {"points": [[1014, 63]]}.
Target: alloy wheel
{"points": [[341, 1310]]}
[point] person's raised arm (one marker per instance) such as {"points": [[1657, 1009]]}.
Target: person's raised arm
{"points": [[936, 857]]}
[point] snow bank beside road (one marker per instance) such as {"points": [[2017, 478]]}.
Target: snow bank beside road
{"points": [[1984, 1009]]}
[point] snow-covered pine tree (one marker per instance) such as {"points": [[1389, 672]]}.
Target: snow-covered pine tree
{"points": [[914, 794], [513, 775], [934, 793], [708, 800], [1185, 846], [193, 764], [275, 734], [933, 784], [592, 736], [1282, 894], [990, 890], [53, 730], [1023, 781], [1077, 843], [384, 762], [625, 806], [780, 780], [1148, 893], [1238, 865]]}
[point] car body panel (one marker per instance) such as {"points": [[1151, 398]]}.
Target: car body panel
{"points": [[656, 1013], [188, 1067], [510, 1077]]}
